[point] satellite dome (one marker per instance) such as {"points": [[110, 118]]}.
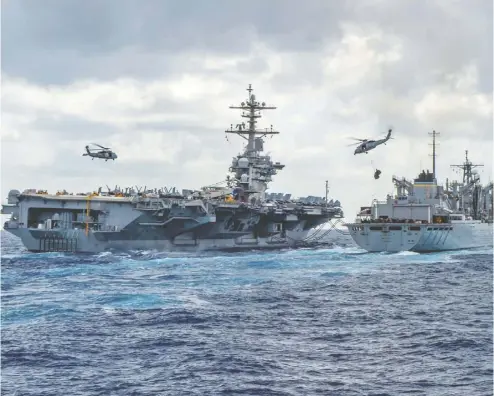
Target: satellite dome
{"points": [[244, 178], [234, 162], [243, 163]]}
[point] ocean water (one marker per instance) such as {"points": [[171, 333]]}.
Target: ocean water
{"points": [[327, 321]]}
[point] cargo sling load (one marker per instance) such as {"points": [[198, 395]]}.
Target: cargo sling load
{"points": [[424, 216], [238, 216]]}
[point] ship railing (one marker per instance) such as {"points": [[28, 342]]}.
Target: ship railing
{"points": [[150, 205], [393, 221]]}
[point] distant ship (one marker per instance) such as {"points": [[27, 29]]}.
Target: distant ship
{"points": [[238, 216], [427, 217]]}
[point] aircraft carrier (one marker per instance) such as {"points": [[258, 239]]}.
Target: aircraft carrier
{"points": [[240, 215], [426, 217]]}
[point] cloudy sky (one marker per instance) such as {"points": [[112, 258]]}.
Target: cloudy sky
{"points": [[153, 80]]}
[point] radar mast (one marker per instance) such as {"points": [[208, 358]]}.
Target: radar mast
{"points": [[467, 168], [434, 154], [251, 110]]}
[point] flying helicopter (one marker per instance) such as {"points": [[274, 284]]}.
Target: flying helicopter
{"points": [[101, 152], [364, 145]]}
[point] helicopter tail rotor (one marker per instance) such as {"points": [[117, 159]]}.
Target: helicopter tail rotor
{"points": [[390, 129]]}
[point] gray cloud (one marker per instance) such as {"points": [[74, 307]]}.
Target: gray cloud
{"points": [[438, 36], [408, 67], [71, 128], [217, 25], [56, 40]]}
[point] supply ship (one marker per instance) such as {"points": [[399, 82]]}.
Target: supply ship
{"points": [[237, 216], [426, 217]]}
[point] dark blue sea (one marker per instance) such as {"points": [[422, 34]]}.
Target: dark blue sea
{"points": [[327, 321]]}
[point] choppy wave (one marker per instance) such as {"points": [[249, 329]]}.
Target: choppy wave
{"points": [[296, 322]]}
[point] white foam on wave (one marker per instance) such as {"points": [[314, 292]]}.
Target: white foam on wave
{"points": [[104, 254], [306, 252], [193, 300], [12, 255], [348, 250], [29, 256], [406, 253], [110, 311], [483, 250]]}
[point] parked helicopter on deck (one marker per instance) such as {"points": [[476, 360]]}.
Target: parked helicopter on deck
{"points": [[364, 145], [100, 152]]}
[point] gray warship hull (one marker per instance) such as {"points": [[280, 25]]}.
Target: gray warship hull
{"points": [[95, 224], [421, 238], [78, 243]]}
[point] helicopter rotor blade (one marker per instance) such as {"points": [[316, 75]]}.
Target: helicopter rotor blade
{"points": [[99, 145]]}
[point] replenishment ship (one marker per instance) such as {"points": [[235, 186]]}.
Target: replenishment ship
{"points": [[426, 217]]}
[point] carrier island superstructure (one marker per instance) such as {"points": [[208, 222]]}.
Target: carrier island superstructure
{"points": [[238, 216], [426, 217]]}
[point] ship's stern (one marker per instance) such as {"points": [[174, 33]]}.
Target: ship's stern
{"points": [[385, 237], [11, 209]]}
